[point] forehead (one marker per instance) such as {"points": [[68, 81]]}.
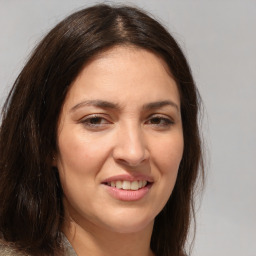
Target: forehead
{"points": [[124, 73], [118, 57]]}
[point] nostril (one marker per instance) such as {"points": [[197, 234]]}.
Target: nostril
{"points": [[131, 162]]}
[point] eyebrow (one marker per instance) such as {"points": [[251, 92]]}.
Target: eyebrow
{"points": [[96, 103], [111, 105], [160, 104]]}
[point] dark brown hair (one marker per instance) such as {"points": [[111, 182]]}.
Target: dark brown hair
{"points": [[31, 210]]}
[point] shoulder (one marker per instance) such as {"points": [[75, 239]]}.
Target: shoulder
{"points": [[9, 250]]}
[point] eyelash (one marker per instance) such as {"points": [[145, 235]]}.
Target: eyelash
{"points": [[95, 121], [164, 121], [88, 121]]}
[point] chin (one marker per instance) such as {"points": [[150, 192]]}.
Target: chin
{"points": [[125, 223]]}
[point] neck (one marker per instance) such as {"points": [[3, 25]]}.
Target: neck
{"points": [[89, 239]]}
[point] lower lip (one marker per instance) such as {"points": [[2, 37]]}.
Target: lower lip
{"points": [[128, 195]]}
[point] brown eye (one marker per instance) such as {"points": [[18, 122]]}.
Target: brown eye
{"points": [[94, 121], [160, 121]]}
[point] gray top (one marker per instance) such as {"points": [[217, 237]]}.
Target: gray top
{"points": [[69, 251], [8, 250]]}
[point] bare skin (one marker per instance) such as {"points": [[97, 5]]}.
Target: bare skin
{"points": [[105, 243], [120, 143]]}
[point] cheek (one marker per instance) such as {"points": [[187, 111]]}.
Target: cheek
{"points": [[168, 154], [79, 152], [78, 164]]}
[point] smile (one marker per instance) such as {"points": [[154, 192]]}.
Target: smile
{"points": [[128, 185]]}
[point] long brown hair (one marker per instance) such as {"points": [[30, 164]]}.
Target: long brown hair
{"points": [[31, 210]]}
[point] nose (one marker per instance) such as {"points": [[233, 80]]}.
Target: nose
{"points": [[130, 147]]}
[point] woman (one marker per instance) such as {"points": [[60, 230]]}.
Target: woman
{"points": [[100, 148]]}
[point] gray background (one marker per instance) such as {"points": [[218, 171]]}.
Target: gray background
{"points": [[219, 40]]}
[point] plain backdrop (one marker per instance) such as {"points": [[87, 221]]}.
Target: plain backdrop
{"points": [[219, 40]]}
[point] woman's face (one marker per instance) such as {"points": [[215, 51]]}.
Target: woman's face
{"points": [[120, 141]]}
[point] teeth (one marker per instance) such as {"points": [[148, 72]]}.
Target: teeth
{"points": [[134, 185], [119, 184], [128, 185]]}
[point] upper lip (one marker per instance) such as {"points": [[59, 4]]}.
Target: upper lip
{"points": [[129, 177]]}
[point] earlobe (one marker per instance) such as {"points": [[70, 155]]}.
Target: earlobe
{"points": [[54, 161]]}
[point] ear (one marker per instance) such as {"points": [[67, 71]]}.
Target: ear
{"points": [[54, 161]]}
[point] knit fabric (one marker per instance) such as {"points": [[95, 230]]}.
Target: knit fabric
{"points": [[9, 250]]}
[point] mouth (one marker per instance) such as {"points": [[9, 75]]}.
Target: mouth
{"points": [[128, 185]]}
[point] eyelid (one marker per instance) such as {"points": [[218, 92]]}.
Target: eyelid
{"points": [[86, 119], [165, 121], [92, 116], [158, 115], [163, 117]]}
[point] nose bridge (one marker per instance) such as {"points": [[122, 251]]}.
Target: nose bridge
{"points": [[130, 146]]}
